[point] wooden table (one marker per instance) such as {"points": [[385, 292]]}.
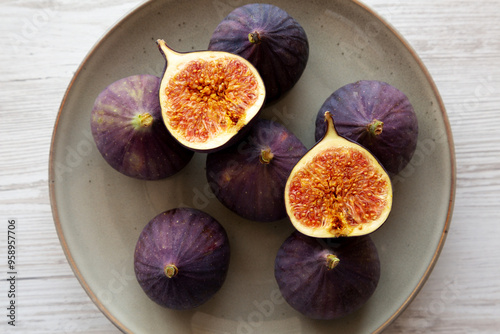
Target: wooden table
{"points": [[42, 44]]}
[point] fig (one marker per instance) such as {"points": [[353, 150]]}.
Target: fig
{"points": [[272, 40], [249, 178], [376, 115], [208, 97], [128, 130], [181, 258], [327, 278], [338, 188]]}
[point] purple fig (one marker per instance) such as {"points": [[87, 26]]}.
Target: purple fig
{"points": [[272, 40], [181, 258], [129, 132], [377, 116], [249, 178], [327, 278]]}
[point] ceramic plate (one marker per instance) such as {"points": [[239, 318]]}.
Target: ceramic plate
{"points": [[99, 213]]}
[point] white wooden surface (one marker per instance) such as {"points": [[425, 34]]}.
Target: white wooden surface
{"points": [[43, 42]]}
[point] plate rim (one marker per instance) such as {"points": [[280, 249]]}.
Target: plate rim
{"points": [[447, 127]]}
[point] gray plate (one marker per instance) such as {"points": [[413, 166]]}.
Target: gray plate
{"points": [[99, 213]]}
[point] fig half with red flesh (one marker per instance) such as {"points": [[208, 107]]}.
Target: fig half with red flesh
{"points": [[128, 130], [181, 258], [271, 39], [376, 115], [249, 178], [208, 97], [338, 188], [327, 278]]}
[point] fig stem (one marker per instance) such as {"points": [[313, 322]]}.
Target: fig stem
{"points": [[331, 131], [143, 120], [254, 37], [167, 52], [170, 270], [332, 261], [375, 127], [266, 156]]}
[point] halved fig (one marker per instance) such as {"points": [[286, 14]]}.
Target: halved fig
{"points": [[249, 178], [208, 97], [271, 39], [338, 189], [376, 115], [327, 278], [128, 130], [181, 258]]}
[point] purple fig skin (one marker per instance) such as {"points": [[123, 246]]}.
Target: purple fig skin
{"points": [[249, 178], [310, 287], [129, 132], [355, 106], [196, 244], [278, 48]]}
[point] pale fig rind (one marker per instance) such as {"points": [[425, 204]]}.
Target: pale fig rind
{"points": [[128, 130], [338, 189]]}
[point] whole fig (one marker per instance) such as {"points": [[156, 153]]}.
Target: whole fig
{"points": [[376, 115], [327, 278], [272, 40], [181, 258], [128, 130], [249, 178]]}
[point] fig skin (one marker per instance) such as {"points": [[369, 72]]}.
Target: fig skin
{"points": [[272, 40], [310, 287], [357, 105], [196, 248], [249, 178], [128, 130]]}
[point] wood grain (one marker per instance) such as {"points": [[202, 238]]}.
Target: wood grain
{"points": [[42, 44]]}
